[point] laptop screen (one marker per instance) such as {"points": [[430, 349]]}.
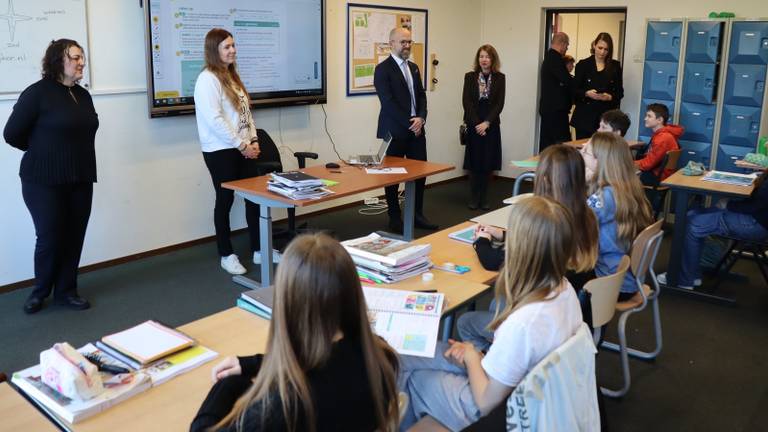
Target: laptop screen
{"points": [[384, 146]]}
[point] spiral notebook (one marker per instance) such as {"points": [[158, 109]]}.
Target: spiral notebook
{"points": [[408, 320]]}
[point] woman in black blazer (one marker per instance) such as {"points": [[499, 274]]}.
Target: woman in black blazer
{"points": [[483, 100], [598, 86]]}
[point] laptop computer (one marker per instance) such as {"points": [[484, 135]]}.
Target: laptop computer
{"points": [[375, 159]]}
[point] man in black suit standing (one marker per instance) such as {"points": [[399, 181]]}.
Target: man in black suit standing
{"points": [[403, 113], [556, 94]]}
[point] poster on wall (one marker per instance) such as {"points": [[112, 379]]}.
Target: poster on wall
{"points": [[368, 28]]}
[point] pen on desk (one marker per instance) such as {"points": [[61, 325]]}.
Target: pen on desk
{"points": [[427, 291]]}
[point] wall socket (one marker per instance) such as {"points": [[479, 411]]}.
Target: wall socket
{"points": [[371, 201]]}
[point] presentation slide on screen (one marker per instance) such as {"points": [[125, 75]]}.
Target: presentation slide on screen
{"points": [[279, 45]]}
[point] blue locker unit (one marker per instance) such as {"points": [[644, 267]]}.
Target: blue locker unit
{"points": [[641, 129], [703, 43], [662, 42], [698, 121], [728, 155], [740, 125], [745, 85], [699, 82], [694, 151], [659, 80], [749, 42]]}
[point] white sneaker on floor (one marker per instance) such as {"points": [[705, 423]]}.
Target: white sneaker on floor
{"points": [[276, 257], [232, 265], [662, 279]]}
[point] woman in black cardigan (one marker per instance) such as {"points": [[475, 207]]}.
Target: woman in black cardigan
{"points": [[483, 100], [54, 123], [598, 86]]}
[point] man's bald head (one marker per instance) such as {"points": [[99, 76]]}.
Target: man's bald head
{"points": [[560, 42]]}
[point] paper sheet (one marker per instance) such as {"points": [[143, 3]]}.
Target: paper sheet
{"points": [[387, 170]]}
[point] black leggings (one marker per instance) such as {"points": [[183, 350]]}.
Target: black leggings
{"points": [[228, 165], [60, 214]]}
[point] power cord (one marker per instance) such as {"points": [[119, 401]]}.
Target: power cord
{"points": [[380, 207], [325, 125]]}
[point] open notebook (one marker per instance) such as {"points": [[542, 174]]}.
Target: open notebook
{"points": [[148, 341]]}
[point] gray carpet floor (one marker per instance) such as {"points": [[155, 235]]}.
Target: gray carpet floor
{"points": [[710, 376]]}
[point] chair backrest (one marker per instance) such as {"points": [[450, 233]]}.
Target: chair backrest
{"points": [[672, 156], [605, 294], [641, 249], [269, 159], [519, 181]]}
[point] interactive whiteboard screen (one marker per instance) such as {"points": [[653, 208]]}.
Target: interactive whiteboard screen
{"points": [[280, 50]]}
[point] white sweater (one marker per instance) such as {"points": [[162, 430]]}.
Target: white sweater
{"points": [[219, 124]]}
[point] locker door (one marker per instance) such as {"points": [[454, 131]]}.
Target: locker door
{"points": [[698, 121], [699, 82], [659, 80], [728, 155], [740, 125], [745, 85], [703, 44], [641, 129], [662, 41], [694, 151], [749, 42]]}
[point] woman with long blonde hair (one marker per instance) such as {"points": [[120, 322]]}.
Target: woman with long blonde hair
{"points": [[540, 313], [618, 200], [323, 370]]}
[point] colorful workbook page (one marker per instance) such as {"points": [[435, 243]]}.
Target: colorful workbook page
{"points": [[408, 320], [466, 235]]}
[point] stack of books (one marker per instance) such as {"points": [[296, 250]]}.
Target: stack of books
{"points": [[730, 178], [297, 186], [384, 260], [258, 301], [136, 359]]}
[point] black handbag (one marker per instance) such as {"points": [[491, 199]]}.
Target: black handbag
{"points": [[463, 134]]}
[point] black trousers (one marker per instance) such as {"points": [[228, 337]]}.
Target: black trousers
{"points": [[584, 133], [60, 214], [228, 165], [554, 129], [414, 147]]}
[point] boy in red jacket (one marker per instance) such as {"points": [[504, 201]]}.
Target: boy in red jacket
{"points": [[663, 140]]}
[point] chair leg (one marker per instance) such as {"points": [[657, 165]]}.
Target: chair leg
{"points": [[761, 260], [624, 361]]}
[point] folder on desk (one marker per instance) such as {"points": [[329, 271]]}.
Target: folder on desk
{"points": [[148, 341]]}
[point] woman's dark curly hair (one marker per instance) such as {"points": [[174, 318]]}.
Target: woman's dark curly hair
{"points": [[53, 61]]}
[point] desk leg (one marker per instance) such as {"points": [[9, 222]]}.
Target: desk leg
{"points": [[265, 243], [678, 237], [410, 210]]}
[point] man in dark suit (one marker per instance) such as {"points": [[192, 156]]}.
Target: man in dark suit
{"points": [[403, 113], [556, 94]]}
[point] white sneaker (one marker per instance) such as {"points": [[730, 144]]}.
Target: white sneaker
{"points": [[276, 257], [232, 265], [662, 279]]}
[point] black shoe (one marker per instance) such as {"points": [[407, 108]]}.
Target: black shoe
{"points": [[395, 225], [74, 302], [32, 305], [485, 206], [422, 222], [472, 205]]}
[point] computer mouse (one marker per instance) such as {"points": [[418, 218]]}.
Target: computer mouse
{"points": [[332, 165]]}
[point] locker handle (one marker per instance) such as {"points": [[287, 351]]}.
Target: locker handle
{"points": [[708, 83], [713, 41], [759, 85], [676, 41]]}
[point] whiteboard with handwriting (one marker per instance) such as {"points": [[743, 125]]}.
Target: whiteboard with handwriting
{"points": [[26, 29]]}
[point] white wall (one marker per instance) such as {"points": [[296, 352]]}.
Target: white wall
{"points": [[516, 29], [153, 188]]}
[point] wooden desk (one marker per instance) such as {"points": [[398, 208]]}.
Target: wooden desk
{"points": [[352, 180], [18, 414], [685, 186], [579, 143], [171, 406], [446, 249]]}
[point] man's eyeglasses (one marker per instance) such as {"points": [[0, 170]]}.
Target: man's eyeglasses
{"points": [[404, 42]]}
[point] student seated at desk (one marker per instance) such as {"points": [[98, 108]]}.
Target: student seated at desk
{"points": [[559, 176], [614, 121], [323, 369], [664, 139], [622, 210], [745, 219], [540, 313]]}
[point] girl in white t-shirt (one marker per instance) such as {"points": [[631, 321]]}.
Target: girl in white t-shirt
{"points": [[541, 312]]}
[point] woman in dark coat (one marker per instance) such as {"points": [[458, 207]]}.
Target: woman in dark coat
{"points": [[598, 86], [483, 100]]}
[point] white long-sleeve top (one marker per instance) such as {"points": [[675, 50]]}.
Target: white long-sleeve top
{"points": [[220, 125]]}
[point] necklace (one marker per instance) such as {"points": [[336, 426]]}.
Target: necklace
{"points": [[69, 89]]}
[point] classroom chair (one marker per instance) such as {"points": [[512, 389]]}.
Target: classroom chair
{"points": [[528, 176], [271, 162], [645, 248], [657, 195], [748, 249]]}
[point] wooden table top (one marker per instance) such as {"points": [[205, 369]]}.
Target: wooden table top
{"points": [[458, 290], [696, 184], [18, 414], [446, 249], [352, 179]]}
